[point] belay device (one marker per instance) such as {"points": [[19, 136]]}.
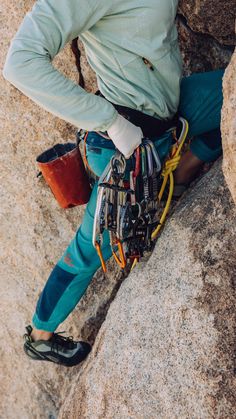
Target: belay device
{"points": [[130, 208]]}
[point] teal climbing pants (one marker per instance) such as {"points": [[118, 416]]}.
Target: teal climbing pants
{"points": [[200, 104]]}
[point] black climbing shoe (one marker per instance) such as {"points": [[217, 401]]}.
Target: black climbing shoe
{"points": [[59, 349]]}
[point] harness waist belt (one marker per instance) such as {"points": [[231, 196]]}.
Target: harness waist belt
{"points": [[151, 126]]}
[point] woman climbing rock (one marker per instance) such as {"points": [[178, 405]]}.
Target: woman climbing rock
{"points": [[132, 46]]}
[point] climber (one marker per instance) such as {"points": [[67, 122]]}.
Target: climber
{"points": [[132, 46]]}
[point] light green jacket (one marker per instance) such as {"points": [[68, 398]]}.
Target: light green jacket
{"points": [[117, 35]]}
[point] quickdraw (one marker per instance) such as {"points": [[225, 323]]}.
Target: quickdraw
{"points": [[130, 208]]}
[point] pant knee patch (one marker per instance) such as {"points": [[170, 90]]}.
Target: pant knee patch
{"points": [[56, 285]]}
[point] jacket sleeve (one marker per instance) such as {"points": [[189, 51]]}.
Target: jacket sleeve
{"points": [[43, 33]]}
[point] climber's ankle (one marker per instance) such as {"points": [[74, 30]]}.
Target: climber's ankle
{"points": [[188, 168], [40, 335]]}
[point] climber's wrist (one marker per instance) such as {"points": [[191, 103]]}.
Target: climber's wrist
{"points": [[125, 135]]}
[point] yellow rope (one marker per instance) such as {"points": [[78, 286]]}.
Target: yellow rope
{"points": [[167, 173]]}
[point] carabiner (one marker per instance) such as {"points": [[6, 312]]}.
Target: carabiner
{"points": [[118, 165], [149, 159], [155, 155], [120, 260], [144, 161], [99, 252]]}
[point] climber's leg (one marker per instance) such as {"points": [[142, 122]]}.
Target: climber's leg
{"points": [[72, 274], [200, 103], [74, 271]]}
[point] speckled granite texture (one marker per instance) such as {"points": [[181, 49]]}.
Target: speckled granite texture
{"points": [[214, 18], [166, 348], [229, 126]]}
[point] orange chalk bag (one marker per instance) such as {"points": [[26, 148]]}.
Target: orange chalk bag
{"points": [[63, 170]]}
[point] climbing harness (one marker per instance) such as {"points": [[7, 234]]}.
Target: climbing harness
{"points": [[130, 200]]}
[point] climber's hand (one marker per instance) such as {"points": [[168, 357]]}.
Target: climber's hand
{"points": [[125, 135]]}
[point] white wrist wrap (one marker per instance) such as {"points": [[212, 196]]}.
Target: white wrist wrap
{"points": [[125, 135]]}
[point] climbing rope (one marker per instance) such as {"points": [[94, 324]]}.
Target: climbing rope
{"points": [[170, 166]]}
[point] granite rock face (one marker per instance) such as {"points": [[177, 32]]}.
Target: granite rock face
{"points": [[200, 52], [35, 231], [229, 126], [214, 18], [166, 348], [206, 33]]}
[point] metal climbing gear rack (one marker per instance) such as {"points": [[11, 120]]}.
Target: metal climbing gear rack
{"points": [[129, 200]]}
